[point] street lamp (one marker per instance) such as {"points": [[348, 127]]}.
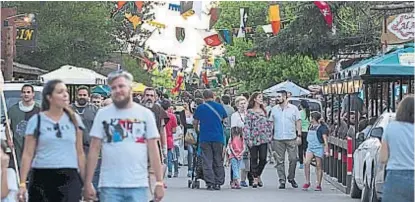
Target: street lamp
{"points": [[28, 18]]}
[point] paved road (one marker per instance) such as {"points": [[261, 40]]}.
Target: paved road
{"points": [[177, 191]]}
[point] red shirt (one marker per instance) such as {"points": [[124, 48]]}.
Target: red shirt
{"points": [[171, 124]]}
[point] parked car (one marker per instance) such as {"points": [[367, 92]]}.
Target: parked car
{"points": [[12, 93], [364, 183]]}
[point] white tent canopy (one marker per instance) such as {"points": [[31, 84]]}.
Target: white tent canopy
{"points": [[75, 75], [288, 86]]}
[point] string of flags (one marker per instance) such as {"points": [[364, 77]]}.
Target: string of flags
{"points": [[205, 69]]}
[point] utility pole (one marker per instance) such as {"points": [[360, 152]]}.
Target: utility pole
{"points": [[9, 52]]}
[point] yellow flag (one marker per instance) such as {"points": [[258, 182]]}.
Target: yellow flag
{"points": [[274, 13]]}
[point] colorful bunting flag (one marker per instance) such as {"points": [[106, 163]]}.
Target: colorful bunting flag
{"points": [[214, 16], [274, 18], [326, 12], [213, 40], [139, 5], [120, 4], [244, 12], [174, 7], [186, 9], [180, 34], [156, 24], [134, 19], [231, 60], [226, 36]]}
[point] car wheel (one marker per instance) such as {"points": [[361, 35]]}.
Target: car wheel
{"points": [[355, 192], [373, 197], [366, 191]]}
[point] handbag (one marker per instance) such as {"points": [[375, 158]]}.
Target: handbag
{"points": [[189, 138]]}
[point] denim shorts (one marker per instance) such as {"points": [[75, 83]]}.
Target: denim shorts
{"points": [[109, 194], [399, 186]]}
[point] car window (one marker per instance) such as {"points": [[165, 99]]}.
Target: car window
{"points": [[314, 106], [383, 121]]}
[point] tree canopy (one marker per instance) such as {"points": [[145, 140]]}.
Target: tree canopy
{"points": [[356, 30], [74, 33]]}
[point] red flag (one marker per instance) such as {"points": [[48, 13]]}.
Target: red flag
{"points": [[326, 12], [276, 26], [213, 40], [139, 5], [204, 78], [214, 16], [179, 82], [120, 4], [250, 54]]}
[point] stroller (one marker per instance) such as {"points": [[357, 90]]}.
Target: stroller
{"points": [[197, 170]]}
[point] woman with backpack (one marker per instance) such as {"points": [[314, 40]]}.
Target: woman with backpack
{"points": [[53, 150]]}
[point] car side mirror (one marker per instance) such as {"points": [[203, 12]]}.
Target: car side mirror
{"points": [[377, 132], [360, 138]]}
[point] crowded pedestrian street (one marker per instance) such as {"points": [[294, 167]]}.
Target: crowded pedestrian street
{"points": [[207, 101]]}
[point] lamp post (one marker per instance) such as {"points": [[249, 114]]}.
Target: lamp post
{"points": [[10, 43]]}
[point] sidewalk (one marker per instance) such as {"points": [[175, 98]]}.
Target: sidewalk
{"points": [[177, 190]]}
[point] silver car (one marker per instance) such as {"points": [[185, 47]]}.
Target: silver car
{"points": [[368, 174]]}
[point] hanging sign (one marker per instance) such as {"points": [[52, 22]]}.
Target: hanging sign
{"points": [[322, 65], [407, 59], [399, 29]]}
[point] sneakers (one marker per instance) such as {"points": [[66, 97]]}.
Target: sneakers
{"points": [[301, 166], [293, 183], [216, 187], [318, 188], [243, 184], [282, 186], [306, 186], [210, 188], [169, 175], [235, 185]]}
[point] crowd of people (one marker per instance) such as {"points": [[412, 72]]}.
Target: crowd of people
{"points": [[121, 148]]}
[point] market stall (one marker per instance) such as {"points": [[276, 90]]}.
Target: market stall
{"points": [[377, 81], [294, 89]]}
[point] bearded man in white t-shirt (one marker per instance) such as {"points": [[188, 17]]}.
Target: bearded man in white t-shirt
{"points": [[128, 135]]}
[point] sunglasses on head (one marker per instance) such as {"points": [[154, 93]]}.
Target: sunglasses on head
{"points": [[58, 130]]}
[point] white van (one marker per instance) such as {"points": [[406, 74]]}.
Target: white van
{"points": [[12, 93]]}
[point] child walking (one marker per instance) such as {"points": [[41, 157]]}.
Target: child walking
{"points": [[317, 147], [236, 149]]}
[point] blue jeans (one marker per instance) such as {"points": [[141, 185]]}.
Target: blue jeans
{"points": [[236, 168], [190, 157], [172, 161], [109, 194], [398, 186]]}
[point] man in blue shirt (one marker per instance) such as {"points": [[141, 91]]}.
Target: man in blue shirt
{"points": [[210, 116]]}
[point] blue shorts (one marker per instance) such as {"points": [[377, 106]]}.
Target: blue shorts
{"points": [[317, 151], [109, 194]]}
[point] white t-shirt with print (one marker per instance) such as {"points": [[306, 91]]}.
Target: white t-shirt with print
{"points": [[124, 155]]}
